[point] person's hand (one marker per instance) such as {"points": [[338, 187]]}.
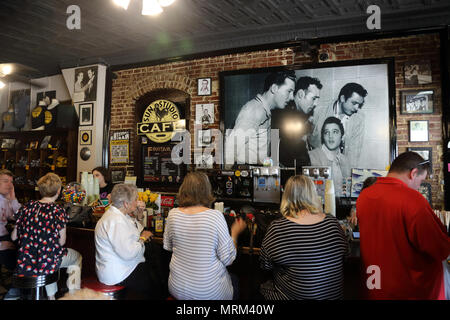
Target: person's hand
{"points": [[12, 194], [238, 226], [353, 219], [146, 234], [7, 245]]}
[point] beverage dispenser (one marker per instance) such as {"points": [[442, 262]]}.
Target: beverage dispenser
{"points": [[266, 184], [321, 176]]}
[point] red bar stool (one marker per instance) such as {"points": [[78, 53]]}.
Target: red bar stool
{"points": [[113, 291]]}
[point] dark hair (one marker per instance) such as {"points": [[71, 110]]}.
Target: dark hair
{"points": [[303, 83], [195, 190], [349, 88], [409, 160], [328, 121], [104, 172], [368, 182], [278, 78]]}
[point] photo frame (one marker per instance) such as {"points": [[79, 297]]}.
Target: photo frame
{"points": [[204, 138], [86, 114], [418, 131], [204, 86], [417, 72], [118, 175], [424, 152], [85, 84], [203, 161], [86, 137], [204, 114], [417, 102]]}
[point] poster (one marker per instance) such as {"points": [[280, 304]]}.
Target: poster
{"points": [[119, 147]]}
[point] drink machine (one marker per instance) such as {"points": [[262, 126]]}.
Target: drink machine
{"points": [[266, 184], [321, 176]]}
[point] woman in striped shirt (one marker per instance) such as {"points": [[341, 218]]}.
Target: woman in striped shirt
{"points": [[201, 245], [305, 249]]}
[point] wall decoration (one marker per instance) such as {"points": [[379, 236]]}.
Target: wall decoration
{"points": [[204, 86], [204, 114], [118, 175], [425, 190], [9, 143], [417, 101], [418, 72], [119, 147], [86, 114], [360, 175], [424, 152], [204, 138], [366, 142], [203, 161], [85, 137], [85, 87], [418, 130], [45, 96], [20, 102]]}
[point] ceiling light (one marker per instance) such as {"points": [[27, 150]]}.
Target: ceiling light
{"points": [[165, 3], [151, 7], [2, 84], [122, 3], [6, 69]]}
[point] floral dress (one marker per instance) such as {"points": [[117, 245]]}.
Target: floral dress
{"points": [[38, 226]]}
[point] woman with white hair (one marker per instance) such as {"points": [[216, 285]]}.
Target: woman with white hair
{"points": [[304, 249], [119, 243]]}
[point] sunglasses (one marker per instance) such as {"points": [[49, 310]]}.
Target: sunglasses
{"points": [[423, 162]]}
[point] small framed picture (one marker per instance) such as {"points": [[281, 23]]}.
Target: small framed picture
{"points": [[204, 161], [204, 138], [204, 86], [418, 72], [424, 152], [86, 137], [86, 114], [417, 102], [204, 114], [118, 175], [418, 130]]}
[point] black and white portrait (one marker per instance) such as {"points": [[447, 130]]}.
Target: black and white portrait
{"points": [[418, 130], [204, 138], [204, 86], [203, 161], [204, 114], [417, 72], [86, 114], [85, 87], [326, 116], [417, 102], [424, 152], [46, 96]]}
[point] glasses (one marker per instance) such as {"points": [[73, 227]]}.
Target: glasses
{"points": [[423, 162], [426, 162]]}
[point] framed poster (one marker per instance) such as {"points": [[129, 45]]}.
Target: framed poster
{"points": [[85, 137], [257, 103], [86, 114], [424, 152], [85, 86], [418, 130], [119, 147], [204, 86], [417, 102]]}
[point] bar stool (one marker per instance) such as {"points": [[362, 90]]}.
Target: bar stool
{"points": [[113, 291], [37, 283]]}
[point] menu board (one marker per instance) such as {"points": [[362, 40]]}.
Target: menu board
{"points": [[158, 164]]}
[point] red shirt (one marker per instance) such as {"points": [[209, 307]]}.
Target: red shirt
{"points": [[403, 237]]}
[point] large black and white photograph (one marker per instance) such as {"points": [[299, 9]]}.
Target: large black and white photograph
{"points": [[204, 114], [85, 87], [417, 102], [335, 116], [418, 72]]}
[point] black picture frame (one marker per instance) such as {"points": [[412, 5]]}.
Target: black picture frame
{"points": [[204, 86], [118, 175], [418, 131], [425, 152], [86, 114], [417, 102]]}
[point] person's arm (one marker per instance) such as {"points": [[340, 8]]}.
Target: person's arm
{"points": [[14, 234], [354, 140], [227, 245], [62, 237], [167, 237], [124, 241]]}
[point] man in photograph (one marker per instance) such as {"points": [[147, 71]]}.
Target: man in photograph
{"points": [[251, 133], [350, 100], [294, 122], [206, 117], [91, 90], [204, 89]]}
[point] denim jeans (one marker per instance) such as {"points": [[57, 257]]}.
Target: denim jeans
{"points": [[71, 261]]}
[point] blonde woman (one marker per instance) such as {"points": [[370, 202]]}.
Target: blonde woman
{"points": [[201, 244], [304, 249]]}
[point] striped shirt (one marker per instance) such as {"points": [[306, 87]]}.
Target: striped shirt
{"points": [[307, 260], [201, 249]]}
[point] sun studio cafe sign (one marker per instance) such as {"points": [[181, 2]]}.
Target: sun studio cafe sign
{"points": [[160, 121]]}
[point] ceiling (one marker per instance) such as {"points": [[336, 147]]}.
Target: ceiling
{"points": [[34, 33]]}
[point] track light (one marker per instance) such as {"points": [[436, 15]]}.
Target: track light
{"points": [[165, 3], [2, 84], [151, 7], [122, 3]]}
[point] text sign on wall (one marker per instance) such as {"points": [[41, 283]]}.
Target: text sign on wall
{"points": [[119, 147]]}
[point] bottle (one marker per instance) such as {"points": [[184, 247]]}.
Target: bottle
{"points": [[159, 224]]}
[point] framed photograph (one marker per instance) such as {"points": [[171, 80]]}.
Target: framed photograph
{"points": [[45, 96], [204, 114], [86, 114], [85, 87], [417, 102], [424, 152], [118, 175], [9, 143], [418, 72], [204, 87], [418, 130], [85, 137], [204, 138], [203, 161]]}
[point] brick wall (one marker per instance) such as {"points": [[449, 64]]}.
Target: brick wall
{"points": [[133, 83]]}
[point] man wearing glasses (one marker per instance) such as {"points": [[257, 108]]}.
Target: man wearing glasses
{"points": [[8, 206], [403, 243]]}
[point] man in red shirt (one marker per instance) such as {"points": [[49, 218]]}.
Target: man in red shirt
{"points": [[403, 243]]}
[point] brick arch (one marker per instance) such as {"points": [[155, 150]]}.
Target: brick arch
{"points": [[168, 81]]}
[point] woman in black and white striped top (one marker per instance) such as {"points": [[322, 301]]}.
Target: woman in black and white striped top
{"points": [[305, 249], [201, 245]]}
